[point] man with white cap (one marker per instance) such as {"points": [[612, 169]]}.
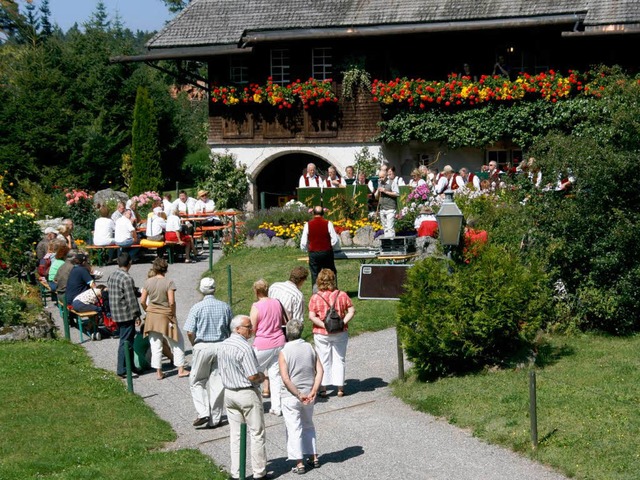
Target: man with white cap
{"points": [[50, 235], [207, 326]]}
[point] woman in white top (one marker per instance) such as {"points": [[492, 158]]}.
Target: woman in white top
{"points": [[416, 179], [104, 228], [173, 229]]}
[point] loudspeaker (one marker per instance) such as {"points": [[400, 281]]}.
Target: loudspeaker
{"points": [[382, 282]]}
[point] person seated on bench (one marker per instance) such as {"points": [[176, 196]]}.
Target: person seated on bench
{"points": [[89, 300], [205, 205], [158, 224], [61, 253], [125, 233], [173, 233]]}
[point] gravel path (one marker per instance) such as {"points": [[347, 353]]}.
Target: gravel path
{"points": [[367, 434]]}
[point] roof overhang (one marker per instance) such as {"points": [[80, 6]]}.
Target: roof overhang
{"points": [[251, 37], [605, 30], [181, 53]]}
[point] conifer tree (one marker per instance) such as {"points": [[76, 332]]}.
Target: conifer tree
{"points": [[145, 154]]}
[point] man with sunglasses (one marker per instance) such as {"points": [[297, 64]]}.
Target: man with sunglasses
{"points": [[242, 399]]}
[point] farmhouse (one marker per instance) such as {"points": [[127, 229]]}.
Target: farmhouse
{"points": [[254, 49]]}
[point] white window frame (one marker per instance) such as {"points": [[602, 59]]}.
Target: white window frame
{"points": [[280, 64], [321, 63]]}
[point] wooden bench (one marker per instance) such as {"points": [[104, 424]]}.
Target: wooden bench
{"points": [[86, 318], [45, 291], [101, 252]]}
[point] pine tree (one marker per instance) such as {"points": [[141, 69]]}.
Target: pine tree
{"points": [[45, 19], [145, 154]]}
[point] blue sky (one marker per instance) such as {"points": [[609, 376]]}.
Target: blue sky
{"points": [[145, 15]]}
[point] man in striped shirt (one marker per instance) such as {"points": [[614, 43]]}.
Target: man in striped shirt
{"points": [[242, 399], [289, 293]]}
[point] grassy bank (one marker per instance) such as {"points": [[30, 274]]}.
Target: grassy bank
{"points": [[588, 391], [62, 418], [274, 264]]}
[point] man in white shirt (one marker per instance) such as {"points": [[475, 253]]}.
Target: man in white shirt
{"points": [[318, 239], [125, 233], [167, 204], [185, 204], [118, 212], [349, 176], [310, 179], [373, 187], [469, 178], [387, 196], [442, 184], [333, 180], [289, 293], [391, 174]]}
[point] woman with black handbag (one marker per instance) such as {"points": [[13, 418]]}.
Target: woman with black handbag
{"points": [[330, 346]]}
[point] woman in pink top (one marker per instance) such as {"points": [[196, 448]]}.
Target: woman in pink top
{"points": [[266, 318]]}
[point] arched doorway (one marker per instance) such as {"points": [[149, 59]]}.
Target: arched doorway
{"points": [[278, 181]]}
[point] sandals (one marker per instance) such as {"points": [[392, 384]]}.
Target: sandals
{"points": [[299, 469], [323, 393], [313, 463], [341, 393]]}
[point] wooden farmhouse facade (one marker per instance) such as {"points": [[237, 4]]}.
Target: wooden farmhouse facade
{"points": [[283, 41]]}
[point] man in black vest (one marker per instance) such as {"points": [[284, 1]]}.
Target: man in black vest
{"points": [[318, 238]]}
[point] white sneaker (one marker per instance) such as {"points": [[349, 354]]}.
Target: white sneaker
{"points": [[277, 413]]}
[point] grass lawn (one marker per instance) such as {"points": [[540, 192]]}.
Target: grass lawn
{"points": [[588, 392], [274, 264], [61, 418]]}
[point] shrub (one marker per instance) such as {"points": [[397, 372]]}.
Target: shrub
{"points": [[283, 216], [19, 303], [227, 183], [82, 212], [44, 203], [474, 315], [18, 236]]}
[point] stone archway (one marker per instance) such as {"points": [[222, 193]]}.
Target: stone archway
{"points": [[278, 180]]}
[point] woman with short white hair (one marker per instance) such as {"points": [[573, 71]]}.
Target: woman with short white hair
{"points": [[301, 372]]}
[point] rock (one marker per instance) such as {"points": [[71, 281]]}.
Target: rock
{"points": [[49, 222], [364, 237], [42, 328], [291, 242], [103, 196], [277, 242], [259, 241], [345, 239]]}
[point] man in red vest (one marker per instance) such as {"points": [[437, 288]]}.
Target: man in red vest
{"points": [[318, 238]]}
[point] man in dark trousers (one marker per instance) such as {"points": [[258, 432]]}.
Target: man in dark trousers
{"points": [[318, 238], [125, 309]]}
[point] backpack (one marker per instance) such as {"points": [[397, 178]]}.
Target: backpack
{"points": [[333, 322], [43, 266]]}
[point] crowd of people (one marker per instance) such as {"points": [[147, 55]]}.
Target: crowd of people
{"points": [[239, 361]]}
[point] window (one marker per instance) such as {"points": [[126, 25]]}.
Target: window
{"points": [[238, 70], [280, 66], [321, 66]]}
